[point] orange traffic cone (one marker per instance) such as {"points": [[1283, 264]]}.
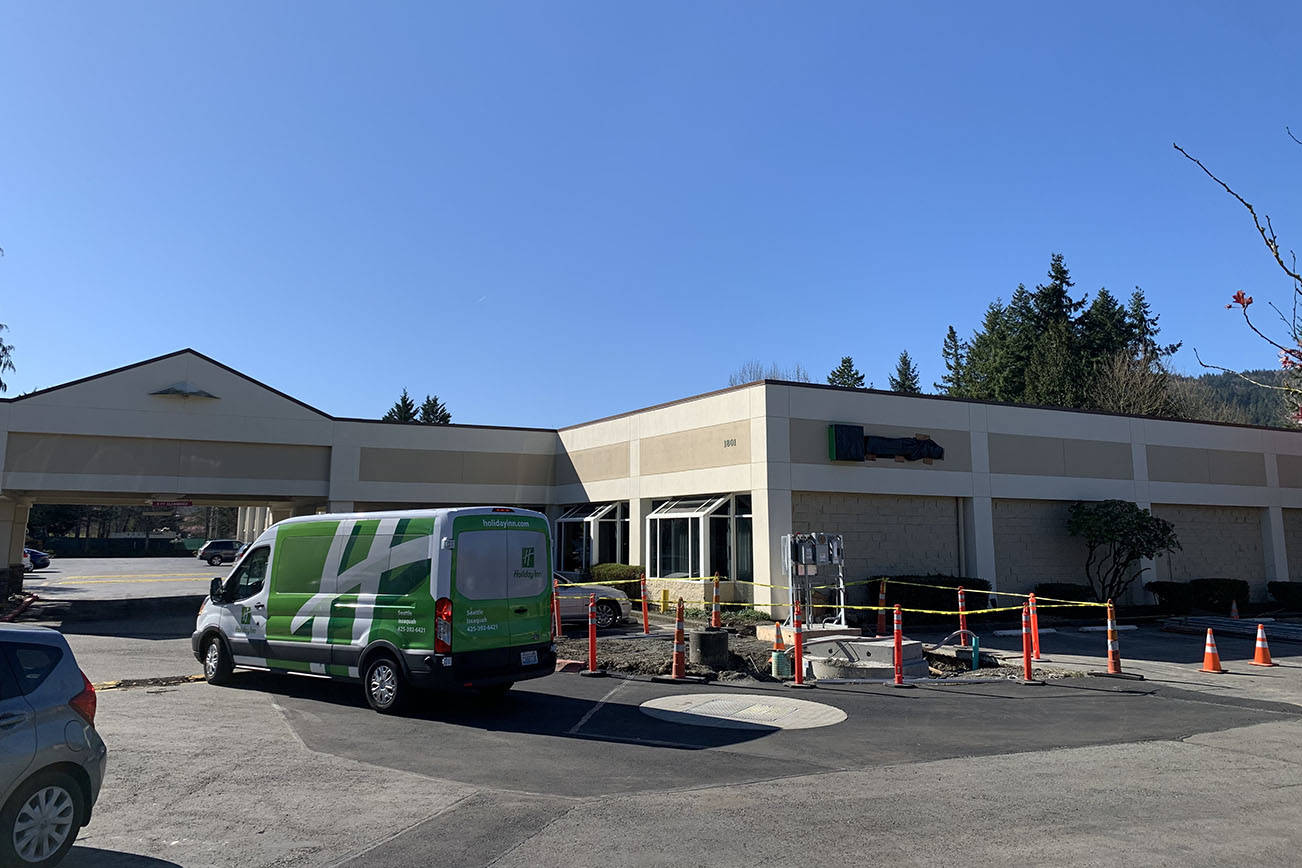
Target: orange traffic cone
{"points": [[778, 644], [1234, 609], [1211, 660], [1262, 657]]}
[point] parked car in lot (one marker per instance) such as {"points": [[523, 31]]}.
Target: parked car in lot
{"points": [[613, 605], [39, 560], [51, 758], [219, 551]]}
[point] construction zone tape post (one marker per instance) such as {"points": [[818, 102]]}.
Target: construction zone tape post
{"points": [[592, 671]]}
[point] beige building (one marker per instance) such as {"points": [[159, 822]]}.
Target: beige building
{"points": [[707, 483]]}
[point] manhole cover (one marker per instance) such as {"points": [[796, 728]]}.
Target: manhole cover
{"points": [[747, 711]]}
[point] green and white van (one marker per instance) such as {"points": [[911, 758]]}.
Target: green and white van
{"points": [[440, 598]]}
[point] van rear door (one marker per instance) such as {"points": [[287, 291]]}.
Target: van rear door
{"points": [[481, 599], [529, 586]]}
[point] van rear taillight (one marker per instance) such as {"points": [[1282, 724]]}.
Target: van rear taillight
{"points": [[502, 509], [443, 626], [84, 703]]}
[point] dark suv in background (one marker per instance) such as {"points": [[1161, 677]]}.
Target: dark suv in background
{"points": [[219, 551]]}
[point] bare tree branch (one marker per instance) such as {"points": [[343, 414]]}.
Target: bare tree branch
{"points": [[1267, 232], [1244, 377]]}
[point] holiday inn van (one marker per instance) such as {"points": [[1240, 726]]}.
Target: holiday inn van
{"points": [[437, 598]]}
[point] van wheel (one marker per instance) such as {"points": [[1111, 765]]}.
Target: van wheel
{"points": [[40, 821], [606, 614], [215, 561], [386, 689], [217, 663]]}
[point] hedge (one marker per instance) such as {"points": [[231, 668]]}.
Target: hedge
{"points": [[93, 547], [1288, 594], [621, 576]]}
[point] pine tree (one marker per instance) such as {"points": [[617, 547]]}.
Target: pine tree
{"points": [[905, 378], [403, 410], [954, 353], [846, 375], [1052, 301], [434, 412], [1142, 325]]}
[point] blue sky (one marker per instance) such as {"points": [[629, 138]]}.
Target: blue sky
{"points": [[550, 212]]}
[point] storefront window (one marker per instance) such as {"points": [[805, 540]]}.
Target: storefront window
{"points": [[695, 537]]}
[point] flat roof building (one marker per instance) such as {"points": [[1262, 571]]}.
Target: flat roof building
{"points": [[708, 483]]}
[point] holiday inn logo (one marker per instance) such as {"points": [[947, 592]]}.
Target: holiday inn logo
{"points": [[526, 558]]}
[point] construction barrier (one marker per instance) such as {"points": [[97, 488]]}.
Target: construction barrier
{"points": [[962, 609], [592, 669], [899, 647], [556, 610], [1028, 675], [1114, 644], [679, 668], [1035, 628], [715, 622], [799, 652], [646, 618]]}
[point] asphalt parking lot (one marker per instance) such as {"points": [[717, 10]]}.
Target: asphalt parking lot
{"points": [[285, 770]]}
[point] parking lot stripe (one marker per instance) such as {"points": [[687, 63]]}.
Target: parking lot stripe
{"points": [[594, 709]]}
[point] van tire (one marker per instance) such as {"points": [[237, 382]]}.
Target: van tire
{"points": [[385, 687], [217, 663]]}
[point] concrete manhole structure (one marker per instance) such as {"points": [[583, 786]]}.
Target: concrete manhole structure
{"points": [[744, 711]]}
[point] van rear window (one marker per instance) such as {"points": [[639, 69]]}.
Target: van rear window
{"points": [[481, 565]]}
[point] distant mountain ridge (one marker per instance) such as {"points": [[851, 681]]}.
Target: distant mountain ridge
{"points": [[1242, 401]]}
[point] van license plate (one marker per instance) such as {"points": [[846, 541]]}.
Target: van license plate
{"points": [[528, 658]]}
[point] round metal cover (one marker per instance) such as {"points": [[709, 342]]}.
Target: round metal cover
{"points": [[744, 711]]}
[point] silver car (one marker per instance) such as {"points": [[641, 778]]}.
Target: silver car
{"points": [[613, 605], [51, 758]]}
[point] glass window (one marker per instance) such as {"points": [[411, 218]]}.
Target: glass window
{"points": [[32, 664], [676, 557], [744, 569], [572, 544], [249, 577], [719, 545], [623, 542], [480, 570], [606, 541]]}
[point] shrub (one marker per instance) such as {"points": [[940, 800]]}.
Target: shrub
{"points": [[1175, 598], [622, 576], [1288, 594], [1216, 595]]}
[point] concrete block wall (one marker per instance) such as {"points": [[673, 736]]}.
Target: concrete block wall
{"points": [[1032, 545], [884, 534], [1217, 542]]}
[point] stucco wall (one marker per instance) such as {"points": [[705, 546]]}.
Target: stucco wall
{"points": [[1032, 545], [884, 534], [1217, 542]]}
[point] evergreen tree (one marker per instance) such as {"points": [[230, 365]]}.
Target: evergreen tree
{"points": [[954, 353], [434, 412], [905, 378], [1142, 324], [845, 374], [403, 410], [6, 358], [1052, 301]]}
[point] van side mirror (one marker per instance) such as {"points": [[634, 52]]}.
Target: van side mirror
{"points": [[215, 590]]}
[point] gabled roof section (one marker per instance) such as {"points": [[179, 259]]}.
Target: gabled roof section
{"points": [[166, 357]]}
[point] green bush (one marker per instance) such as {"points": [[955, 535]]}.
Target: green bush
{"points": [[1288, 594], [622, 576], [1216, 595], [1175, 598]]}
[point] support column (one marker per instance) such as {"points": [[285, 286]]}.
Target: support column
{"points": [[13, 533], [1274, 545], [770, 521], [280, 513], [979, 539], [341, 506], [1148, 565], [638, 509]]}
